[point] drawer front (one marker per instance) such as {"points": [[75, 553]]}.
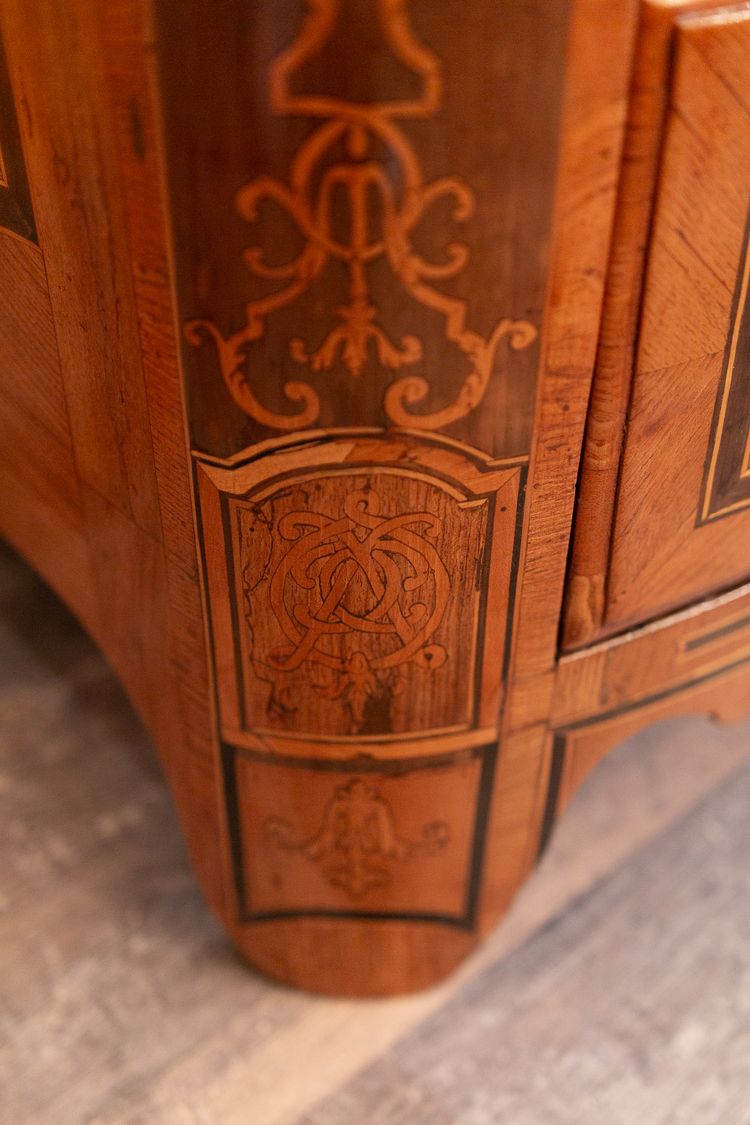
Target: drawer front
{"points": [[678, 653], [694, 662], [677, 459]]}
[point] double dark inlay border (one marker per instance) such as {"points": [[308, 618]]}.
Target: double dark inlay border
{"points": [[16, 213], [357, 770], [726, 485]]}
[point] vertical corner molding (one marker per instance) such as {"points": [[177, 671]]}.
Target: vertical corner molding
{"points": [[360, 371]]}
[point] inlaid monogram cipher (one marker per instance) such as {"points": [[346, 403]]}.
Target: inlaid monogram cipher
{"points": [[343, 583], [359, 159], [352, 608]]}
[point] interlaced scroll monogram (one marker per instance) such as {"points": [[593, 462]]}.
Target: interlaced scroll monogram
{"points": [[357, 597], [391, 188], [357, 841]]}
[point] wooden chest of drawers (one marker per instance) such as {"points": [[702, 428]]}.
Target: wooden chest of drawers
{"points": [[376, 390]]}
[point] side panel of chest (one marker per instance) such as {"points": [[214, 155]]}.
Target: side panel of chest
{"points": [[670, 524]]}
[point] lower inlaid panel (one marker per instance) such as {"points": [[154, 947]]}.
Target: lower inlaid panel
{"points": [[358, 839]]}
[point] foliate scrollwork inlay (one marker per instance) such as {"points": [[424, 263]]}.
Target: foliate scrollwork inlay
{"points": [[357, 842], [360, 151]]}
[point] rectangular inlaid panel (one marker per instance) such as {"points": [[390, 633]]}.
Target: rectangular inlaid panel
{"points": [[685, 448], [16, 214], [342, 613], [346, 841]]}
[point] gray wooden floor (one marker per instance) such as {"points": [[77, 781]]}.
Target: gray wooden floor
{"points": [[617, 991]]}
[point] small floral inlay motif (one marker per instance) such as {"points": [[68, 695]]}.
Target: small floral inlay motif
{"points": [[357, 842]]}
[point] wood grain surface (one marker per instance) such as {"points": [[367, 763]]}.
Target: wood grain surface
{"points": [[647, 536], [615, 982], [299, 368], [678, 377]]}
